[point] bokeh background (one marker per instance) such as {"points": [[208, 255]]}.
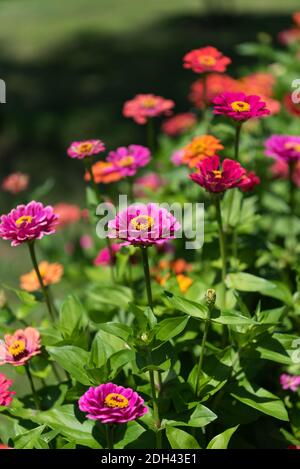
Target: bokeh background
{"points": [[69, 65]]}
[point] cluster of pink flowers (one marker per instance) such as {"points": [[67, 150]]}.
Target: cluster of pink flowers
{"points": [[27, 223], [112, 404], [5, 393], [146, 106], [144, 225]]}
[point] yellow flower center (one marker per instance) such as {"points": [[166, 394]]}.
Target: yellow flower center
{"points": [[16, 348], [116, 400], [293, 146], [126, 161], [207, 60], [149, 102], [240, 106], [85, 147], [24, 218], [217, 174], [142, 222]]}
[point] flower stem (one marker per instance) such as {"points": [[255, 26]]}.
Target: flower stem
{"points": [[292, 208], [88, 167], [150, 135], [43, 287], [222, 244], [237, 141], [33, 390], [147, 275], [201, 356], [110, 436]]}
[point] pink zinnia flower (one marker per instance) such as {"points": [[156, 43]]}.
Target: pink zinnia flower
{"points": [[206, 59], [5, 393], [145, 106], [85, 148], [239, 106], [144, 225], [150, 181], [104, 258], [249, 181], [129, 159], [291, 382], [110, 403], [177, 157], [18, 348], [216, 178], [15, 183], [27, 223], [283, 147], [67, 214], [179, 124]]}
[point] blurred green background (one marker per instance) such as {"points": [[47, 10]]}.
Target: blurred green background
{"points": [[69, 65]]}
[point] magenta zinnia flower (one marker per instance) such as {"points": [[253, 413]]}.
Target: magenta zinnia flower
{"points": [[27, 223], [216, 178], [5, 393], [145, 106], [85, 148], [110, 403], [239, 106], [144, 225], [104, 258], [129, 159], [291, 382], [18, 348], [283, 147]]}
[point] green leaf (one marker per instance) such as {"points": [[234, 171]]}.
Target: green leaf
{"points": [[71, 316], [119, 330], [260, 399], [30, 439], [221, 441], [64, 420], [73, 360], [201, 417], [179, 439], [127, 435], [231, 317], [116, 295], [191, 308], [169, 328]]}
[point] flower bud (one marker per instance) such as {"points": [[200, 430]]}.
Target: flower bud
{"points": [[210, 297]]}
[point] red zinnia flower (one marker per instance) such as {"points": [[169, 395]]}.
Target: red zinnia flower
{"points": [[216, 178], [249, 181], [206, 59]]}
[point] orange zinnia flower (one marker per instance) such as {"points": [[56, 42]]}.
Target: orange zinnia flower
{"points": [[51, 273], [104, 172], [200, 148], [184, 282]]}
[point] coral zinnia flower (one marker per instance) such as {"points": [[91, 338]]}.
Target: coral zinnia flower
{"points": [[67, 214], [206, 59], [129, 159], [18, 348], [249, 181], [51, 273], [239, 106], [110, 403], [105, 172], [27, 223], [144, 225], [85, 148], [145, 106], [5, 393], [15, 183], [291, 382], [200, 148], [284, 147], [179, 124], [215, 85], [216, 178]]}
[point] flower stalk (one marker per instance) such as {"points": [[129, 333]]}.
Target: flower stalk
{"points": [[33, 390]]}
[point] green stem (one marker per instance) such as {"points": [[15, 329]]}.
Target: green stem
{"points": [[222, 245], [88, 167], [43, 287], [150, 135], [292, 208], [33, 390], [147, 275], [237, 141], [155, 407], [201, 356], [110, 436]]}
